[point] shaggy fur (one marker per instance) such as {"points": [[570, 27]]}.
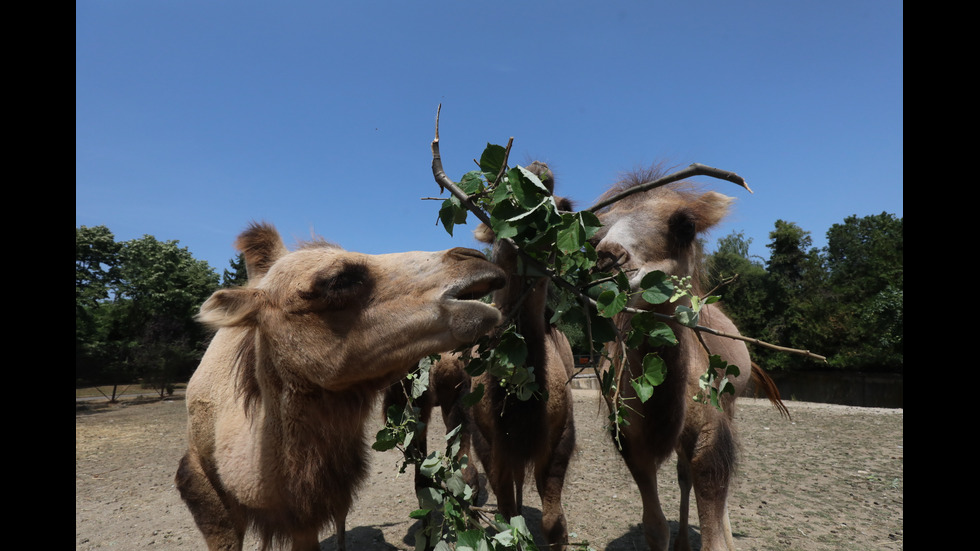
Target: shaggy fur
{"points": [[658, 230], [277, 408]]}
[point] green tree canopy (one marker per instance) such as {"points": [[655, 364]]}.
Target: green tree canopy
{"points": [[844, 301], [865, 259], [135, 304]]}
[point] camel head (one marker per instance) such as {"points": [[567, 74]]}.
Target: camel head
{"points": [[658, 230], [334, 318]]}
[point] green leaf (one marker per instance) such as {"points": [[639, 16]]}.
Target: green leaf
{"points": [[686, 316], [385, 440], [534, 180], [452, 213], [493, 158], [410, 434], [431, 465], [658, 332], [455, 484], [505, 538], [472, 540], [643, 390], [429, 498], [654, 369], [596, 290], [611, 303], [657, 287], [471, 182], [571, 234], [512, 349]]}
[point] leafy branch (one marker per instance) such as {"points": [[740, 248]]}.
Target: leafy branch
{"points": [[523, 214]]}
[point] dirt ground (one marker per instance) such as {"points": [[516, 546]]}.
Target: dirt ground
{"points": [[832, 478]]}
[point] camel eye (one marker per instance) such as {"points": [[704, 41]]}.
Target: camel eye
{"points": [[337, 289]]}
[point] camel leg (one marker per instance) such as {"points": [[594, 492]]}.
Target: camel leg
{"points": [[421, 440], [222, 530], [454, 415], [519, 474], [500, 475], [308, 541], [711, 471], [340, 524], [550, 477], [655, 527], [502, 483], [682, 543], [712, 503]]}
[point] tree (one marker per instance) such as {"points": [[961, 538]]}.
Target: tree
{"points": [[135, 303], [238, 275], [796, 295], [96, 276], [865, 260], [96, 264], [166, 286], [740, 281]]}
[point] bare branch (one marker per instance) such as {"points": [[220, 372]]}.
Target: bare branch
{"points": [[805, 353], [503, 165], [695, 169], [445, 183]]}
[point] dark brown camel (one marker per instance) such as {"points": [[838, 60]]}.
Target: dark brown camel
{"points": [[512, 436]]}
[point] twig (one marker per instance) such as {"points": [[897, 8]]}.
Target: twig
{"points": [[695, 169], [503, 165], [445, 183]]}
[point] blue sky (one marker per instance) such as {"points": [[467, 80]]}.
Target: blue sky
{"points": [[193, 118]]}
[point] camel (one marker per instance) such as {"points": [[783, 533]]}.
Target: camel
{"points": [[509, 435], [658, 230], [277, 407], [512, 435]]}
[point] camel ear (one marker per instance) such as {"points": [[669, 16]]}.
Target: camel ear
{"points": [[261, 245], [483, 234], [712, 207], [232, 307]]}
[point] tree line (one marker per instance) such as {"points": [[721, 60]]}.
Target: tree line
{"points": [[135, 303], [135, 300]]}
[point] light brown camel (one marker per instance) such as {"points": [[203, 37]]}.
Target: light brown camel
{"points": [[277, 407], [658, 230]]}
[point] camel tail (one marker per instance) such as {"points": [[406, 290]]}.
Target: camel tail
{"points": [[763, 381]]}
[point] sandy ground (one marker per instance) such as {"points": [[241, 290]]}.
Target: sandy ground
{"points": [[832, 478]]}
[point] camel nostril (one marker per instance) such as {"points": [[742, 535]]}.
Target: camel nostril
{"points": [[463, 253]]}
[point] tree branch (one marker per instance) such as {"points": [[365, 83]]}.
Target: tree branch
{"points": [[445, 183], [695, 169]]}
